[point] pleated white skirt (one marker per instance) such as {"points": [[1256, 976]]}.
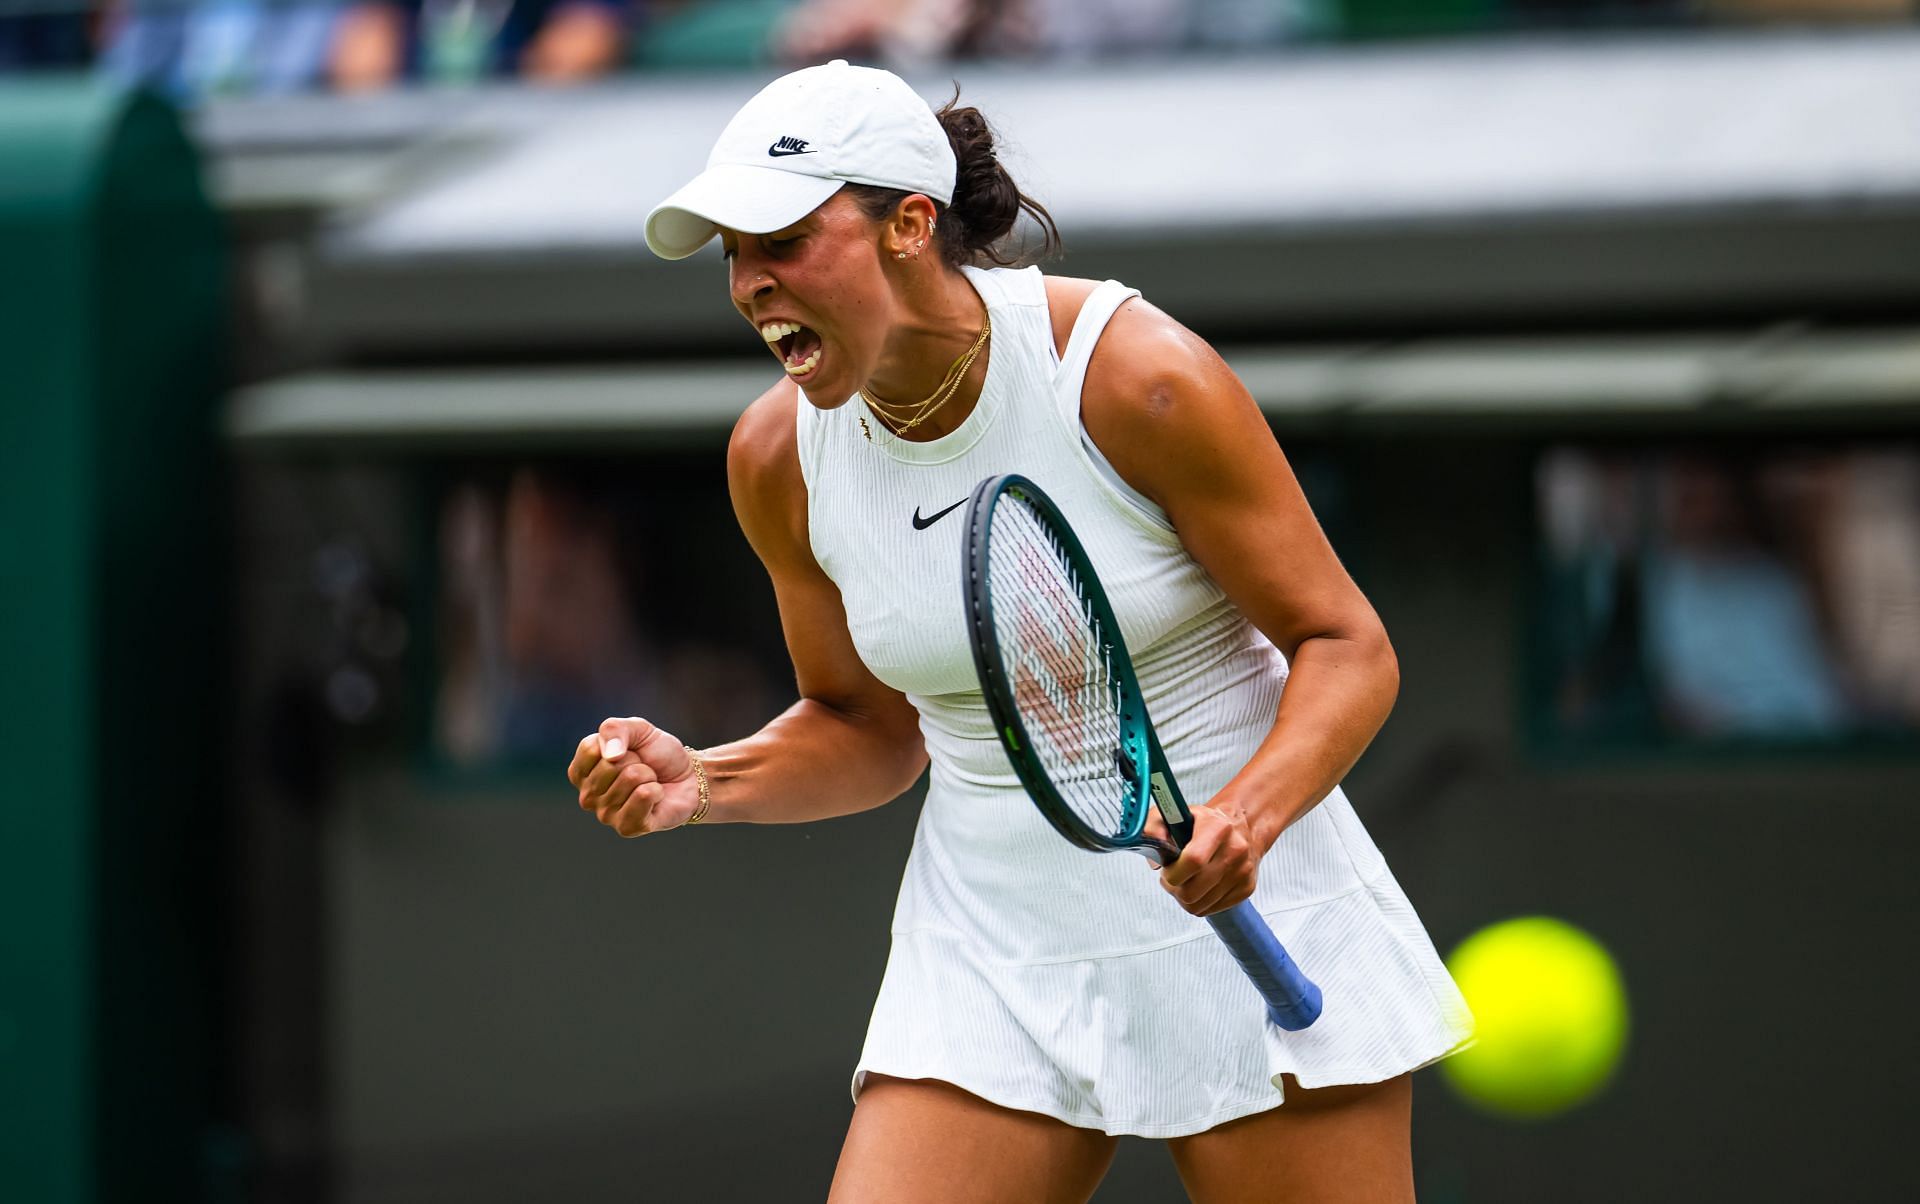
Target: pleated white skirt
{"points": [[1168, 1041]]}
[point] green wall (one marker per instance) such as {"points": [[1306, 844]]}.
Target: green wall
{"points": [[110, 311]]}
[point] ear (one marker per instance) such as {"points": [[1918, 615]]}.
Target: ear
{"points": [[909, 232]]}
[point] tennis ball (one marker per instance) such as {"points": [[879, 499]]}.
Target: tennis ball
{"points": [[1550, 1012]]}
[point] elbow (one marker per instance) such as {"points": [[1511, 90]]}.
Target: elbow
{"points": [[911, 770], [911, 761], [1390, 673], [1367, 655], [1360, 652], [1386, 668], [899, 747]]}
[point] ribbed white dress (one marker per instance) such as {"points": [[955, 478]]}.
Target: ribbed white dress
{"points": [[1032, 973]]}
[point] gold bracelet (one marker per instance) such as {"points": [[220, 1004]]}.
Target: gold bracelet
{"points": [[699, 776]]}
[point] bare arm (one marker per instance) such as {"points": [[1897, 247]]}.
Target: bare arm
{"points": [[1180, 427], [850, 744]]}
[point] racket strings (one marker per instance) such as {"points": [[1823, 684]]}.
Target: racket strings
{"points": [[1061, 666]]}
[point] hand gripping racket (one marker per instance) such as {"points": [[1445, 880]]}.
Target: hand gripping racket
{"points": [[1069, 712]]}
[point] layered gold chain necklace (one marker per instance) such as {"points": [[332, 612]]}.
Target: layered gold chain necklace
{"points": [[902, 418]]}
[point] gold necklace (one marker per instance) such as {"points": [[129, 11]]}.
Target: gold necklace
{"points": [[903, 417], [955, 371]]}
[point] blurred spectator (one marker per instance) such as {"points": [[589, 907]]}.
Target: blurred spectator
{"points": [[370, 48], [902, 33], [861, 29], [541, 640], [1734, 595], [1729, 622], [544, 627], [1589, 512], [581, 39], [1868, 545], [383, 42], [910, 33], [192, 49]]}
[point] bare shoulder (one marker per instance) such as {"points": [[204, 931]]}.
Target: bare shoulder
{"points": [[1162, 405], [1065, 297], [764, 437], [763, 474]]}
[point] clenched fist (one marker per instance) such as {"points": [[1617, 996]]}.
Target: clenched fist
{"points": [[634, 777], [1221, 863]]}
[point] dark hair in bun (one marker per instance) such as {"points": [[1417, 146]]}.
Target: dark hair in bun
{"points": [[986, 202]]}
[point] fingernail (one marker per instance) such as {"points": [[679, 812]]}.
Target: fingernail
{"points": [[613, 747]]}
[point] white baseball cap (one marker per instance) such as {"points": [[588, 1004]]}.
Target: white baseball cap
{"points": [[792, 146]]}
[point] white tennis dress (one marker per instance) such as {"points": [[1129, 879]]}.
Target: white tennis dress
{"points": [[1027, 971]]}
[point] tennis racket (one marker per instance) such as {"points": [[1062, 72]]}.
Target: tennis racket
{"points": [[1070, 714]]}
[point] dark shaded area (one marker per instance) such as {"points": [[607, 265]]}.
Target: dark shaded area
{"points": [[520, 999]]}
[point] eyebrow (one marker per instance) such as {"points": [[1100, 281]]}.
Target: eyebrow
{"points": [[795, 228]]}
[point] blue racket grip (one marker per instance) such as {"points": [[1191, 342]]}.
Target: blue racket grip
{"points": [[1293, 1002]]}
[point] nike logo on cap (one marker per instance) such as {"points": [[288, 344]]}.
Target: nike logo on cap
{"points": [[921, 524], [789, 146]]}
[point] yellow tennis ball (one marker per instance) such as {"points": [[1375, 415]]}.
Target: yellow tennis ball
{"points": [[1550, 1013]]}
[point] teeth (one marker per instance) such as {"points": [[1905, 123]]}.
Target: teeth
{"points": [[773, 332], [805, 366]]}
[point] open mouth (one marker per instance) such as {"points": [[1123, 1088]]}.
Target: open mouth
{"points": [[797, 346]]}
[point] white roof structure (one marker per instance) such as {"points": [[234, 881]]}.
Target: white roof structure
{"points": [[1307, 195], [1399, 134]]}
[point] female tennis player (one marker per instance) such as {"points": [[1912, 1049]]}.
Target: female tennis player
{"points": [[1038, 1000]]}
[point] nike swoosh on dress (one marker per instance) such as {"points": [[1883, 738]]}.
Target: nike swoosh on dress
{"points": [[921, 524]]}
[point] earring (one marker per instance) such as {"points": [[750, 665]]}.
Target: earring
{"points": [[899, 254]]}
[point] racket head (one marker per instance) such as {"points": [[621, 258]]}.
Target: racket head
{"points": [[1055, 673]]}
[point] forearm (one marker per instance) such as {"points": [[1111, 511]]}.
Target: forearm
{"points": [[814, 761], [1337, 698]]}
